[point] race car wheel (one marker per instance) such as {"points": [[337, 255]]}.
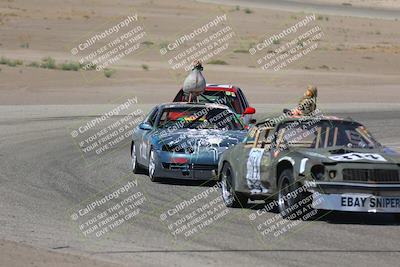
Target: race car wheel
{"points": [[288, 202], [135, 166], [230, 197], [153, 167]]}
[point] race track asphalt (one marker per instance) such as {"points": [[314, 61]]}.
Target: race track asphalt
{"points": [[44, 180]]}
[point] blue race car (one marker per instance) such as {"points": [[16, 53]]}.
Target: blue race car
{"points": [[184, 140]]}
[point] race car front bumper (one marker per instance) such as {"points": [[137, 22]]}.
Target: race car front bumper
{"points": [[355, 197], [188, 171], [186, 166]]}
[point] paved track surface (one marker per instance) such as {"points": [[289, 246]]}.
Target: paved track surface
{"points": [[43, 179], [312, 7]]}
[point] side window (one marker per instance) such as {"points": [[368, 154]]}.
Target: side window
{"points": [[235, 101], [152, 117], [260, 137], [278, 139], [265, 138], [179, 97], [251, 136], [243, 98]]}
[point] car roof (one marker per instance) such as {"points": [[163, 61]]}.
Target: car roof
{"points": [[274, 121], [221, 87], [192, 104]]}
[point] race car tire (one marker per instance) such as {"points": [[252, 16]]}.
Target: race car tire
{"points": [[134, 164], [231, 198], [289, 203], [153, 167]]}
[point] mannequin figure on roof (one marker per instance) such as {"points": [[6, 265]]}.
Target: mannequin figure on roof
{"points": [[194, 83]]}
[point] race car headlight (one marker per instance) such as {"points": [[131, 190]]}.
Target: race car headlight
{"points": [[318, 172]]}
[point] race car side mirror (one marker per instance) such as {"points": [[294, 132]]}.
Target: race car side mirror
{"points": [[145, 126], [249, 110]]}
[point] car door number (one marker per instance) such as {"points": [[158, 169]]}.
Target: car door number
{"points": [[253, 176]]}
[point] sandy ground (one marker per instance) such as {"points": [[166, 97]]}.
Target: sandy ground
{"points": [[356, 68], [355, 55]]}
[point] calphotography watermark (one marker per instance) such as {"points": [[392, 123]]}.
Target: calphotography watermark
{"points": [[204, 43], [276, 52], [107, 46], [195, 215], [109, 210], [109, 130], [290, 217]]}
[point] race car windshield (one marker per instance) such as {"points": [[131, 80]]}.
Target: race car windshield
{"points": [[323, 134], [227, 98], [199, 118]]}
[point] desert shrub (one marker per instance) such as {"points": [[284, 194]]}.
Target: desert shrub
{"points": [[217, 62], [240, 51], [147, 43], [87, 66], [108, 72], [34, 64], [10, 62], [75, 66], [248, 11], [4, 61], [48, 63]]}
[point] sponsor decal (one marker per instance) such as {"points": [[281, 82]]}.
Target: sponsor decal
{"points": [[358, 156], [359, 202], [370, 202]]}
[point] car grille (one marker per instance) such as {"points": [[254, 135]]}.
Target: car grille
{"points": [[175, 166], [200, 167], [204, 167], [371, 175]]}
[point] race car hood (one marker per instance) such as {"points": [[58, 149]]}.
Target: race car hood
{"points": [[335, 155], [202, 138]]}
